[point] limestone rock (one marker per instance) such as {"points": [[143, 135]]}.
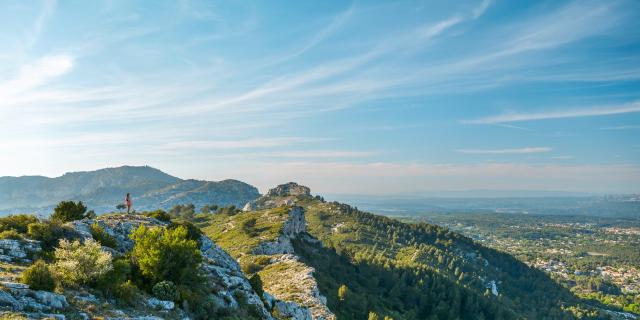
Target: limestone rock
{"points": [[51, 300], [289, 189], [160, 304], [295, 225], [18, 250], [8, 300], [292, 310]]}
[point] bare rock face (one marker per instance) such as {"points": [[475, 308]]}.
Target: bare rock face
{"points": [[19, 297], [295, 225], [290, 288], [18, 250], [289, 189]]}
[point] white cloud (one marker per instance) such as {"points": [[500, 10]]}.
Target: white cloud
{"points": [[506, 151], [625, 127], [559, 114], [481, 9], [233, 144], [438, 28], [35, 74]]}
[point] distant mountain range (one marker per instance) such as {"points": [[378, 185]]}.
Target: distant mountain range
{"points": [[103, 189]]}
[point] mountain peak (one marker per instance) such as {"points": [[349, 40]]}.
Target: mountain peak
{"points": [[289, 189]]}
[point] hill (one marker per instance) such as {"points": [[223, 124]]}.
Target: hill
{"points": [[286, 255], [354, 263], [102, 189]]}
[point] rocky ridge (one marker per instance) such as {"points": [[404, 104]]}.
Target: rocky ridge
{"points": [[222, 272], [289, 285]]}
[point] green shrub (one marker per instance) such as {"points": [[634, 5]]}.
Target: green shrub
{"points": [[193, 232], [39, 277], [10, 234], [17, 222], [104, 238], [230, 210], [67, 211], [109, 282], [209, 308], [158, 214], [127, 293], [49, 233], [248, 227], [166, 254], [256, 284], [78, 263], [165, 290], [249, 267], [262, 260]]}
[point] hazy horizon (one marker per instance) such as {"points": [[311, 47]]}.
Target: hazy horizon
{"points": [[345, 97]]}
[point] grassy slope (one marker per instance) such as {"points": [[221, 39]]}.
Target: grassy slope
{"points": [[357, 238]]}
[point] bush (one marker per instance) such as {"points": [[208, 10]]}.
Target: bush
{"points": [[165, 290], [67, 211], [230, 210], [49, 233], [256, 284], [193, 232], [18, 222], [39, 277], [248, 227], [10, 234], [127, 293], [104, 238], [78, 263], [111, 280], [158, 214], [249, 267], [166, 254]]}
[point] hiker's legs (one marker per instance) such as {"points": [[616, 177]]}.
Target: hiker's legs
{"points": [[128, 209]]}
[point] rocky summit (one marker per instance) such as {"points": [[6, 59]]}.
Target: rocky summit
{"points": [[289, 189]]}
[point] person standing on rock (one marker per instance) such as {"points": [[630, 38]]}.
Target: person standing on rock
{"points": [[127, 201]]}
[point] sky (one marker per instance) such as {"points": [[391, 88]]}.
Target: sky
{"points": [[360, 97]]}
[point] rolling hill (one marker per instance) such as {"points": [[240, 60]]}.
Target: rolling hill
{"points": [[342, 263], [103, 189]]}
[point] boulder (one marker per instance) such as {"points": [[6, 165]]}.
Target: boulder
{"points": [[51, 300], [160, 304]]}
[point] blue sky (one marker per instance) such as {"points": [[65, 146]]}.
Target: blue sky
{"points": [[346, 97]]}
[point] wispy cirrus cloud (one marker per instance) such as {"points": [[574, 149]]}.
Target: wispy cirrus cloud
{"points": [[624, 127], [559, 114], [506, 151], [234, 144], [34, 74]]}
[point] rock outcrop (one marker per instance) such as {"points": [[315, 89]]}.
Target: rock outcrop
{"points": [[293, 227], [283, 195], [290, 288], [222, 271], [294, 290], [289, 189], [18, 250], [19, 297]]}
